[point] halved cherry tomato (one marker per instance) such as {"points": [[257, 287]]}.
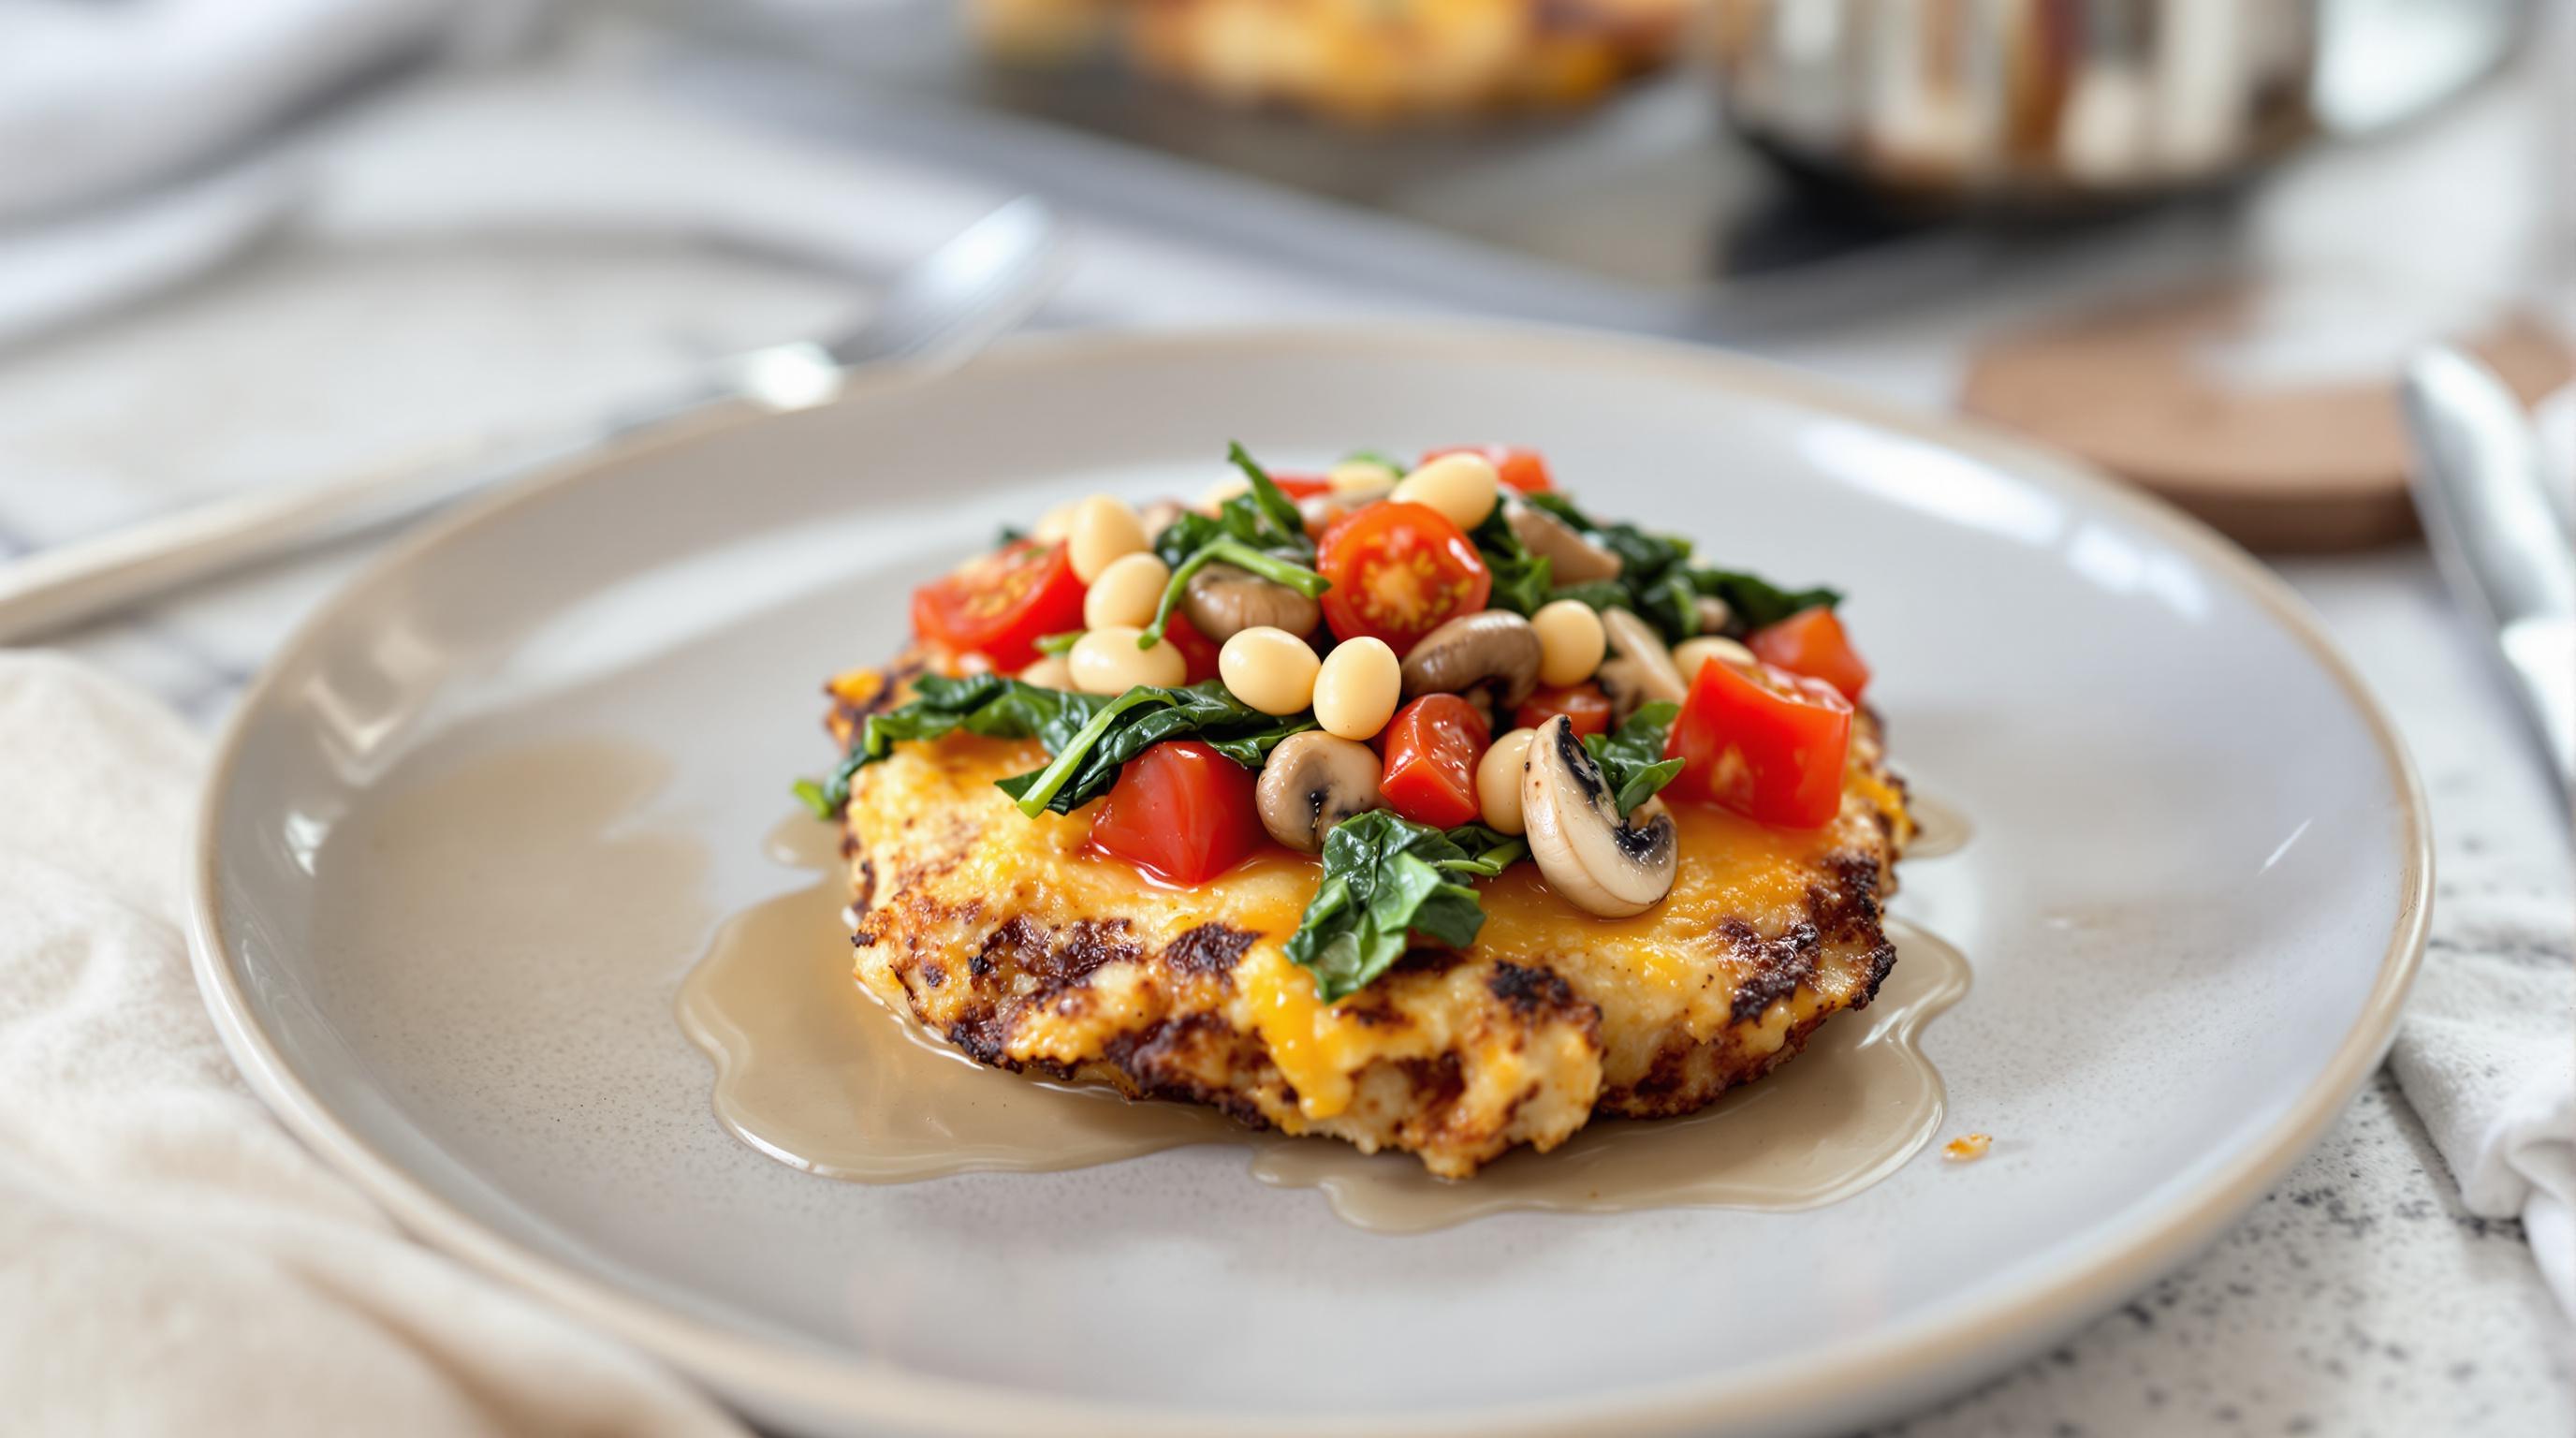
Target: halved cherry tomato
{"points": [[1000, 605], [1812, 642], [1302, 486], [1181, 812], [1398, 572], [1522, 469], [1432, 746], [1198, 651], [1584, 706], [1764, 742]]}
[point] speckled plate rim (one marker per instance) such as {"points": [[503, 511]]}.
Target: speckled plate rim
{"points": [[1917, 1360]]}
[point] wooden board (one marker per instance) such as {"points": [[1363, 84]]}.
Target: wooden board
{"points": [[2280, 467]]}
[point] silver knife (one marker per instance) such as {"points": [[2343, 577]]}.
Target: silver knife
{"points": [[939, 310], [2482, 495]]}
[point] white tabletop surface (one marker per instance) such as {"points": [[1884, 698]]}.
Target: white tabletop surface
{"points": [[2356, 1298]]}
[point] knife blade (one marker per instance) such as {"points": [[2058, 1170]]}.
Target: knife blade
{"points": [[2479, 486]]}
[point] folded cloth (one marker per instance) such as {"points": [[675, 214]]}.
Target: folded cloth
{"points": [[171, 1260], [2487, 1058]]}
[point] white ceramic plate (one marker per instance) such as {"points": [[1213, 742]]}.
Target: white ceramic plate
{"points": [[2196, 894]]}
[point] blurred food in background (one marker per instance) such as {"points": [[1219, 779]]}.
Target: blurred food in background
{"points": [[2070, 102], [1366, 62]]}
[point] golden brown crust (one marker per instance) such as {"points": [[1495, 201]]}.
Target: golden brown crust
{"points": [[998, 933]]}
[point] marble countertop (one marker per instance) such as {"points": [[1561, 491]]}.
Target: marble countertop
{"points": [[2357, 1297]]}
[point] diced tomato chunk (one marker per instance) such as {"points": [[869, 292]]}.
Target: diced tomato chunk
{"points": [[1181, 812], [1812, 642], [1584, 706], [1198, 651], [1432, 746], [1764, 742]]}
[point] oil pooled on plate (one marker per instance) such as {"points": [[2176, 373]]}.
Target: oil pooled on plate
{"points": [[813, 1071]]}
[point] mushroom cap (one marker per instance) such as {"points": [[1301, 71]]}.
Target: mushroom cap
{"points": [[1602, 864], [1223, 600], [1312, 781], [1492, 647], [1573, 557]]}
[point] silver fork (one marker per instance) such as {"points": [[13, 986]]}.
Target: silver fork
{"points": [[939, 311]]}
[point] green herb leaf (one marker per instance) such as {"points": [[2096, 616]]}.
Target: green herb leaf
{"points": [[1669, 604], [1277, 511], [1632, 758], [986, 704], [1087, 759], [1377, 457], [1650, 582], [1262, 519], [1059, 643], [1487, 851], [1385, 879], [1088, 735], [1599, 593], [1655, 582], [1756, 601], [812, 794], [1521, 579], [1186, 536]]}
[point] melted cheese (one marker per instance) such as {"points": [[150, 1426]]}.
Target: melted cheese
{"points": [[1644, 972]]}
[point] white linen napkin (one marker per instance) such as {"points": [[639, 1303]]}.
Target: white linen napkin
{"points": [[2487, 1058], [171, 1260]]}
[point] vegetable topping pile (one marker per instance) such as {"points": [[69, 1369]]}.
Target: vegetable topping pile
{"points": [[1423, 677]]}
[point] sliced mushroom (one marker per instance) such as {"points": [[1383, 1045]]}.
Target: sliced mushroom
{"points": [[1313, 781], [1714, 615], [1651, 664], [1223, 600], [1493, 650], [1624, 681], [1158, 516], [1603, 864], [1573, 557]]}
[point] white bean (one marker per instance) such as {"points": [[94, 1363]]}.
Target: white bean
{"points": [[1107, 661], [1055, 524], [1356, 688], [1691, 654], [1570, 641], [1050, 672], [1270, 669], [1498, 782], [1127, 592], [1362, 476], [1105, 529], [1463, 487]]}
